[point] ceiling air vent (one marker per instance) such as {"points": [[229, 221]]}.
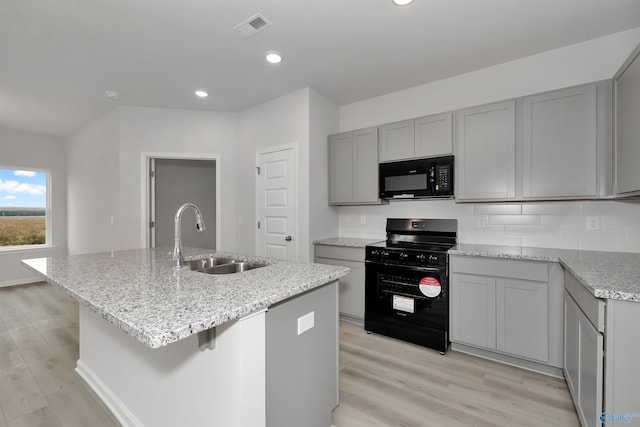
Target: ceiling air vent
{"points": [[252, 25]]}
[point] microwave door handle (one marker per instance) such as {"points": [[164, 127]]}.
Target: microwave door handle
{"points": [[431, 179]]}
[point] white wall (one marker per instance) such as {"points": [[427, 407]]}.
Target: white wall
{"points": [[28, 150], [282, 121], [552, 224], [106, 171], [323, 121], [179, 132], [92, 185]]}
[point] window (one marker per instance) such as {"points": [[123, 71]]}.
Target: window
{"points": [[23, 207]]}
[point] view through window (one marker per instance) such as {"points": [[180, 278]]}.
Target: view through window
{"points": [[23, 207]]}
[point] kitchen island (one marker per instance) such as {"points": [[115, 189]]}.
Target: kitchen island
{"points": [[165, 346]]}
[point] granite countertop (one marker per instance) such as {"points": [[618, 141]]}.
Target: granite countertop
{"points": [[353, 242], [140, 292], [609, 275]]}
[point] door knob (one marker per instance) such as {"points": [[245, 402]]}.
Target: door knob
{"points": [[288, 238]]}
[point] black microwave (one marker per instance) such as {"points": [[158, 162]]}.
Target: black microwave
{"points": [[422, 178]]}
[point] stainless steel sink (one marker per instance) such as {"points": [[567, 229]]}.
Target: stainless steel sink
{"points": [[202, 263], [221, 265]]}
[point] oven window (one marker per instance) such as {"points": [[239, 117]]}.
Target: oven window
{"points": [[406, 182]]}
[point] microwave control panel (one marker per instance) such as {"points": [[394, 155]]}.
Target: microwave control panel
{"points": [[443, 174]]}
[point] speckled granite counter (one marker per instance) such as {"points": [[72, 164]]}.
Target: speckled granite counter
{"points": [[141, 293], [353, 242], [609, 275]]}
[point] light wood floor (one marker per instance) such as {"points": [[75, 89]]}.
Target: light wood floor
{"points": [[386, 382], [383, 382]]}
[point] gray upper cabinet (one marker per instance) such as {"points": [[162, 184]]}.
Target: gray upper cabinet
{"points": [[422, 137], [627, 126], [433, 135], [353, 167], [486, 152], [559, 143], [397, 141]]}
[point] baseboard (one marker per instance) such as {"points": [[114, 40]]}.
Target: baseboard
{"points": [[529, 365], [111, 401], [26, 281], [352, 319]]}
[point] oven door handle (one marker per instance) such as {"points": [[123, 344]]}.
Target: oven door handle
{"points": [[406, 267]]}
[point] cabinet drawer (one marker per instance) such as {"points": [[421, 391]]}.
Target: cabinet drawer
{"points": [[509, 268], [591, 306], [340, 252]]}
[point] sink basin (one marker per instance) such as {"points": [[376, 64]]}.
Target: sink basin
{"points": [[202, 263], [221, 265], [235, 267]]}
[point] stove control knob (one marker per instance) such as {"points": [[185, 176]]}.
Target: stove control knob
{"points": [[385, 254], [433, 258], [421, 257], [403, 255], [375, 253]]}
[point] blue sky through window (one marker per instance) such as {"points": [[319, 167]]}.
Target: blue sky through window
{"points": [[23, 189]]}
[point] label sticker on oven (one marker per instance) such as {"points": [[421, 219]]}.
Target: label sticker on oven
{"points": [[403, 304], [430, 287]]}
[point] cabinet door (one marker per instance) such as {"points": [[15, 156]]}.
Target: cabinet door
{"points": [[590, 372], [583, 363], [627, 139], [365, 168], [433, 135], [571, 344], [559, 157], [351, 287], [522, 318], [486, 152], [473, 310], [341, 168], [396, 141]]}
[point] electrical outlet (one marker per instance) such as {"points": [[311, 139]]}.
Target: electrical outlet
{"points": [[482, 221], [111, 219], [306, 322], [363, 219], [593, 223]]}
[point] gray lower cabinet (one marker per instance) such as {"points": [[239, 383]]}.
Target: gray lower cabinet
{"points": [[353, 167], [486, 152], [603, 388], [508, 307], [583, 362], [559, 143], [627, 125], [351, 303], [297, 395]]}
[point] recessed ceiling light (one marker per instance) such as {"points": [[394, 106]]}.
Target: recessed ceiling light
{"points": [[273, 57], [112, 94], [201, 93], [401, 2]]}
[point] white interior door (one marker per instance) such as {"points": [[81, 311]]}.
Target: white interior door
{"points": [[276, 203]]}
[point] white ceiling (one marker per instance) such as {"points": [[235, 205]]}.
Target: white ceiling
{"points": [[57, 58]]}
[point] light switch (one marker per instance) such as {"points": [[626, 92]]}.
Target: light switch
{"points": [[306, 322]]}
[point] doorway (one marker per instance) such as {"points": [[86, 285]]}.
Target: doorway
{"points": [[276, 203], [173, 182]]}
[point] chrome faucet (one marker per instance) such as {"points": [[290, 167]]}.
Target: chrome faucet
{"points": [[178, 258]]}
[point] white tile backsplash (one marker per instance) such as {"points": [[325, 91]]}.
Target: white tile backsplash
{"points": [[538, 224], [514, 220], [551, 208], [497, 209]]}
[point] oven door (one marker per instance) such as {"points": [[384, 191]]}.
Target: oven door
{"points": [[407, 302]]}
